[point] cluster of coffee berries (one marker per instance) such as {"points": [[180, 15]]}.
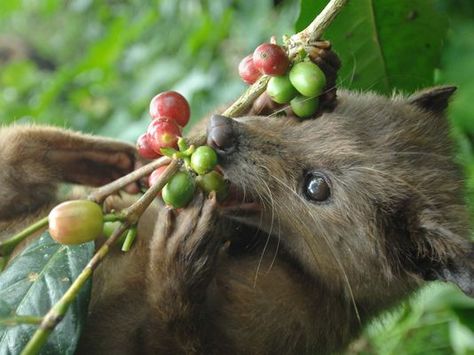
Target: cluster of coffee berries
{"points": [[200, 169], [299, 85], [170, 111], [80, 221], [268, 59]]}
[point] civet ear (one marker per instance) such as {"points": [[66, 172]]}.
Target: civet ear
{"points": [[435, 99], [441, 254], [460, 272]]}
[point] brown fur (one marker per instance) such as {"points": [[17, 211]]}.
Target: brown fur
{"points": [[395, 219]]}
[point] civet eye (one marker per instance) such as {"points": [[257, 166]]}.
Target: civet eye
{"points": [[316, 187]]}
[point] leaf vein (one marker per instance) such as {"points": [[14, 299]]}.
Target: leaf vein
{"points": [[378, 44]]}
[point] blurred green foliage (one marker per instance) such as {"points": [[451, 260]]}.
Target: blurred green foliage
{"points": [[110, 58], [94, 66]]}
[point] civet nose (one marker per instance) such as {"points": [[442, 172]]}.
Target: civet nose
{"points": [[220, 134]]}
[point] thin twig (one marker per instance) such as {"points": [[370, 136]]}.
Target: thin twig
{"points": [[17, 320], [102, 192], [316, 28], [134, 212], [7, 245], [112, 217], [243, 103]]}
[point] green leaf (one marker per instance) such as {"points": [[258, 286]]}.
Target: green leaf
{"points": [[3, 262], [5, 309], [34, 281], [384, 44], [465, 316]]}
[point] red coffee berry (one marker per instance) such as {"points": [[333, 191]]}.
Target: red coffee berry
{"points": [[247, 70], [172, 105], [144, 148], [163, 132], [271, 59], [75, 222], [155, 175]]}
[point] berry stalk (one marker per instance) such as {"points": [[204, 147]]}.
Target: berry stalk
{"points": [[18, 320], [129, 239], [7, 245]]}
